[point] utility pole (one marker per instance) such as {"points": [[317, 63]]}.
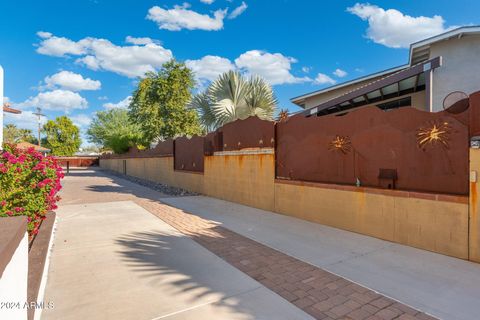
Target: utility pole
{"points": [[39, 114]]}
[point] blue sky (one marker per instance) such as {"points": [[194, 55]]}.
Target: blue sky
{"points": [[78, 57]]}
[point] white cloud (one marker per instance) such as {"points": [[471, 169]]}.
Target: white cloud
{"points": [[324, 79], [209, 67], [121, 104], [275, 68], [394, 29], [43, 34], [180, 17], [340, 73], [59, 46], [238, 10], [57, 100], [306, 69], [81, 120], [141, 40], [71, 81], [207, 1], [101, 54]]}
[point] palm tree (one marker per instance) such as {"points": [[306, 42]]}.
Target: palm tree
{"points": [[232, 97]]}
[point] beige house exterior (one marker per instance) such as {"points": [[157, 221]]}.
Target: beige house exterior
{"points": [[458, 69]]}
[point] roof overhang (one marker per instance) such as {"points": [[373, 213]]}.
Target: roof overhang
{"points": [[6, 108], [300, 99], [420, 51], [394, 85]]}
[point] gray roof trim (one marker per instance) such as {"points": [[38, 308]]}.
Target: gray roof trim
{"points": [[348, 83]]}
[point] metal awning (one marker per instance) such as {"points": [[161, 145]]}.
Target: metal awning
{"points": [[409, 80]]}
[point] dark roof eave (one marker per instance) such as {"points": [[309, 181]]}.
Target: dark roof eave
{"points": [[375, 85]]}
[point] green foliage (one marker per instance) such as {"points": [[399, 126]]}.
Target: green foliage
{"points": [[13, 134], [159, 104], [113, 130], [233, 97], [62, 136], [29, 183]]}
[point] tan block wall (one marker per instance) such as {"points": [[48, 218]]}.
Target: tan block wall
{"points": [[158, 170], [247, 179], [474, 249], [434, 225]]}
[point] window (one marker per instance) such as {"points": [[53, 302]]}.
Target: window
{"points": [[404, 102]]}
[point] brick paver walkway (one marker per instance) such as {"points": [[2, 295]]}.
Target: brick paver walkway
{"points": [[316, 291]]}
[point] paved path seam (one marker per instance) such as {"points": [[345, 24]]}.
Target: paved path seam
{"points": [[320, 293]]}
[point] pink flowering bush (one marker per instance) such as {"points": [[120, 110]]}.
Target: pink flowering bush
{"points": [[29, 183]]}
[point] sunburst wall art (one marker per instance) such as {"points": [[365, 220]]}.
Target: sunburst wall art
{"points": [[435, 133], [341, 144]]}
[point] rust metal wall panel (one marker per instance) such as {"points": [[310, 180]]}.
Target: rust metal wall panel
{"points": [[249, 133], [78, 161], [426, 151], [213, 142], [163, 148], [475, 114], [189, 153]]}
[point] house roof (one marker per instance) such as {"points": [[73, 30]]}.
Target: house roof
{"points": [[6, 108], [396, 84], [419, 51], [26, 145]]}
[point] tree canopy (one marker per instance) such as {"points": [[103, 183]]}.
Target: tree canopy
{"points": [[159, 104], [13, 134], [233, 97], [113, 130], [62, 136]]}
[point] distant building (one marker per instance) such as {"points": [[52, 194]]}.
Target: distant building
{"points": [[27, 145], [437, 67]]}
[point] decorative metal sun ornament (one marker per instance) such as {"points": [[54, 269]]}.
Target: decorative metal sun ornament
{"points": [[283, 115], [341, 144], [433, 134]]}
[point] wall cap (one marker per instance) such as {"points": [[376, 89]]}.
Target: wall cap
{"points": [[12, 231], [386, 192]]}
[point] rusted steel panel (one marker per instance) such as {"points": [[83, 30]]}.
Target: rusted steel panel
{"points": [[426, 151], [475, 114], [249, 133], [78, 161], [163, 148], [213, 142], [189, 153]]}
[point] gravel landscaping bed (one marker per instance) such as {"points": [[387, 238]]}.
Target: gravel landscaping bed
{"points": [[160, 187]]}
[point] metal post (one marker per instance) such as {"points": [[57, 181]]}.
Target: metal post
{"points": [[39, 114], [68, 167]]}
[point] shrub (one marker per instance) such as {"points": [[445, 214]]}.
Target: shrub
{"points": [[29, 183]]}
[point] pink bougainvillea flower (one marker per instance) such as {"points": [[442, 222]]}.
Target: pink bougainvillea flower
{"points": [[30, 185]]}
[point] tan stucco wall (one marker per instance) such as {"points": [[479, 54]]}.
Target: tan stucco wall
{"points": [[475, 205], [460, 70], [246, 179], [435, 225], [158, 170], [438, 226]]}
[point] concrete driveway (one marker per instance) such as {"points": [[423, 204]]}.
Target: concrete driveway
{"points": [[115, 260]]}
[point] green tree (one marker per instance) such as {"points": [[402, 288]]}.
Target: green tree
{"points": [[159, 104], [62, 136], [233, 97], [113, 130], [13, 134]]}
